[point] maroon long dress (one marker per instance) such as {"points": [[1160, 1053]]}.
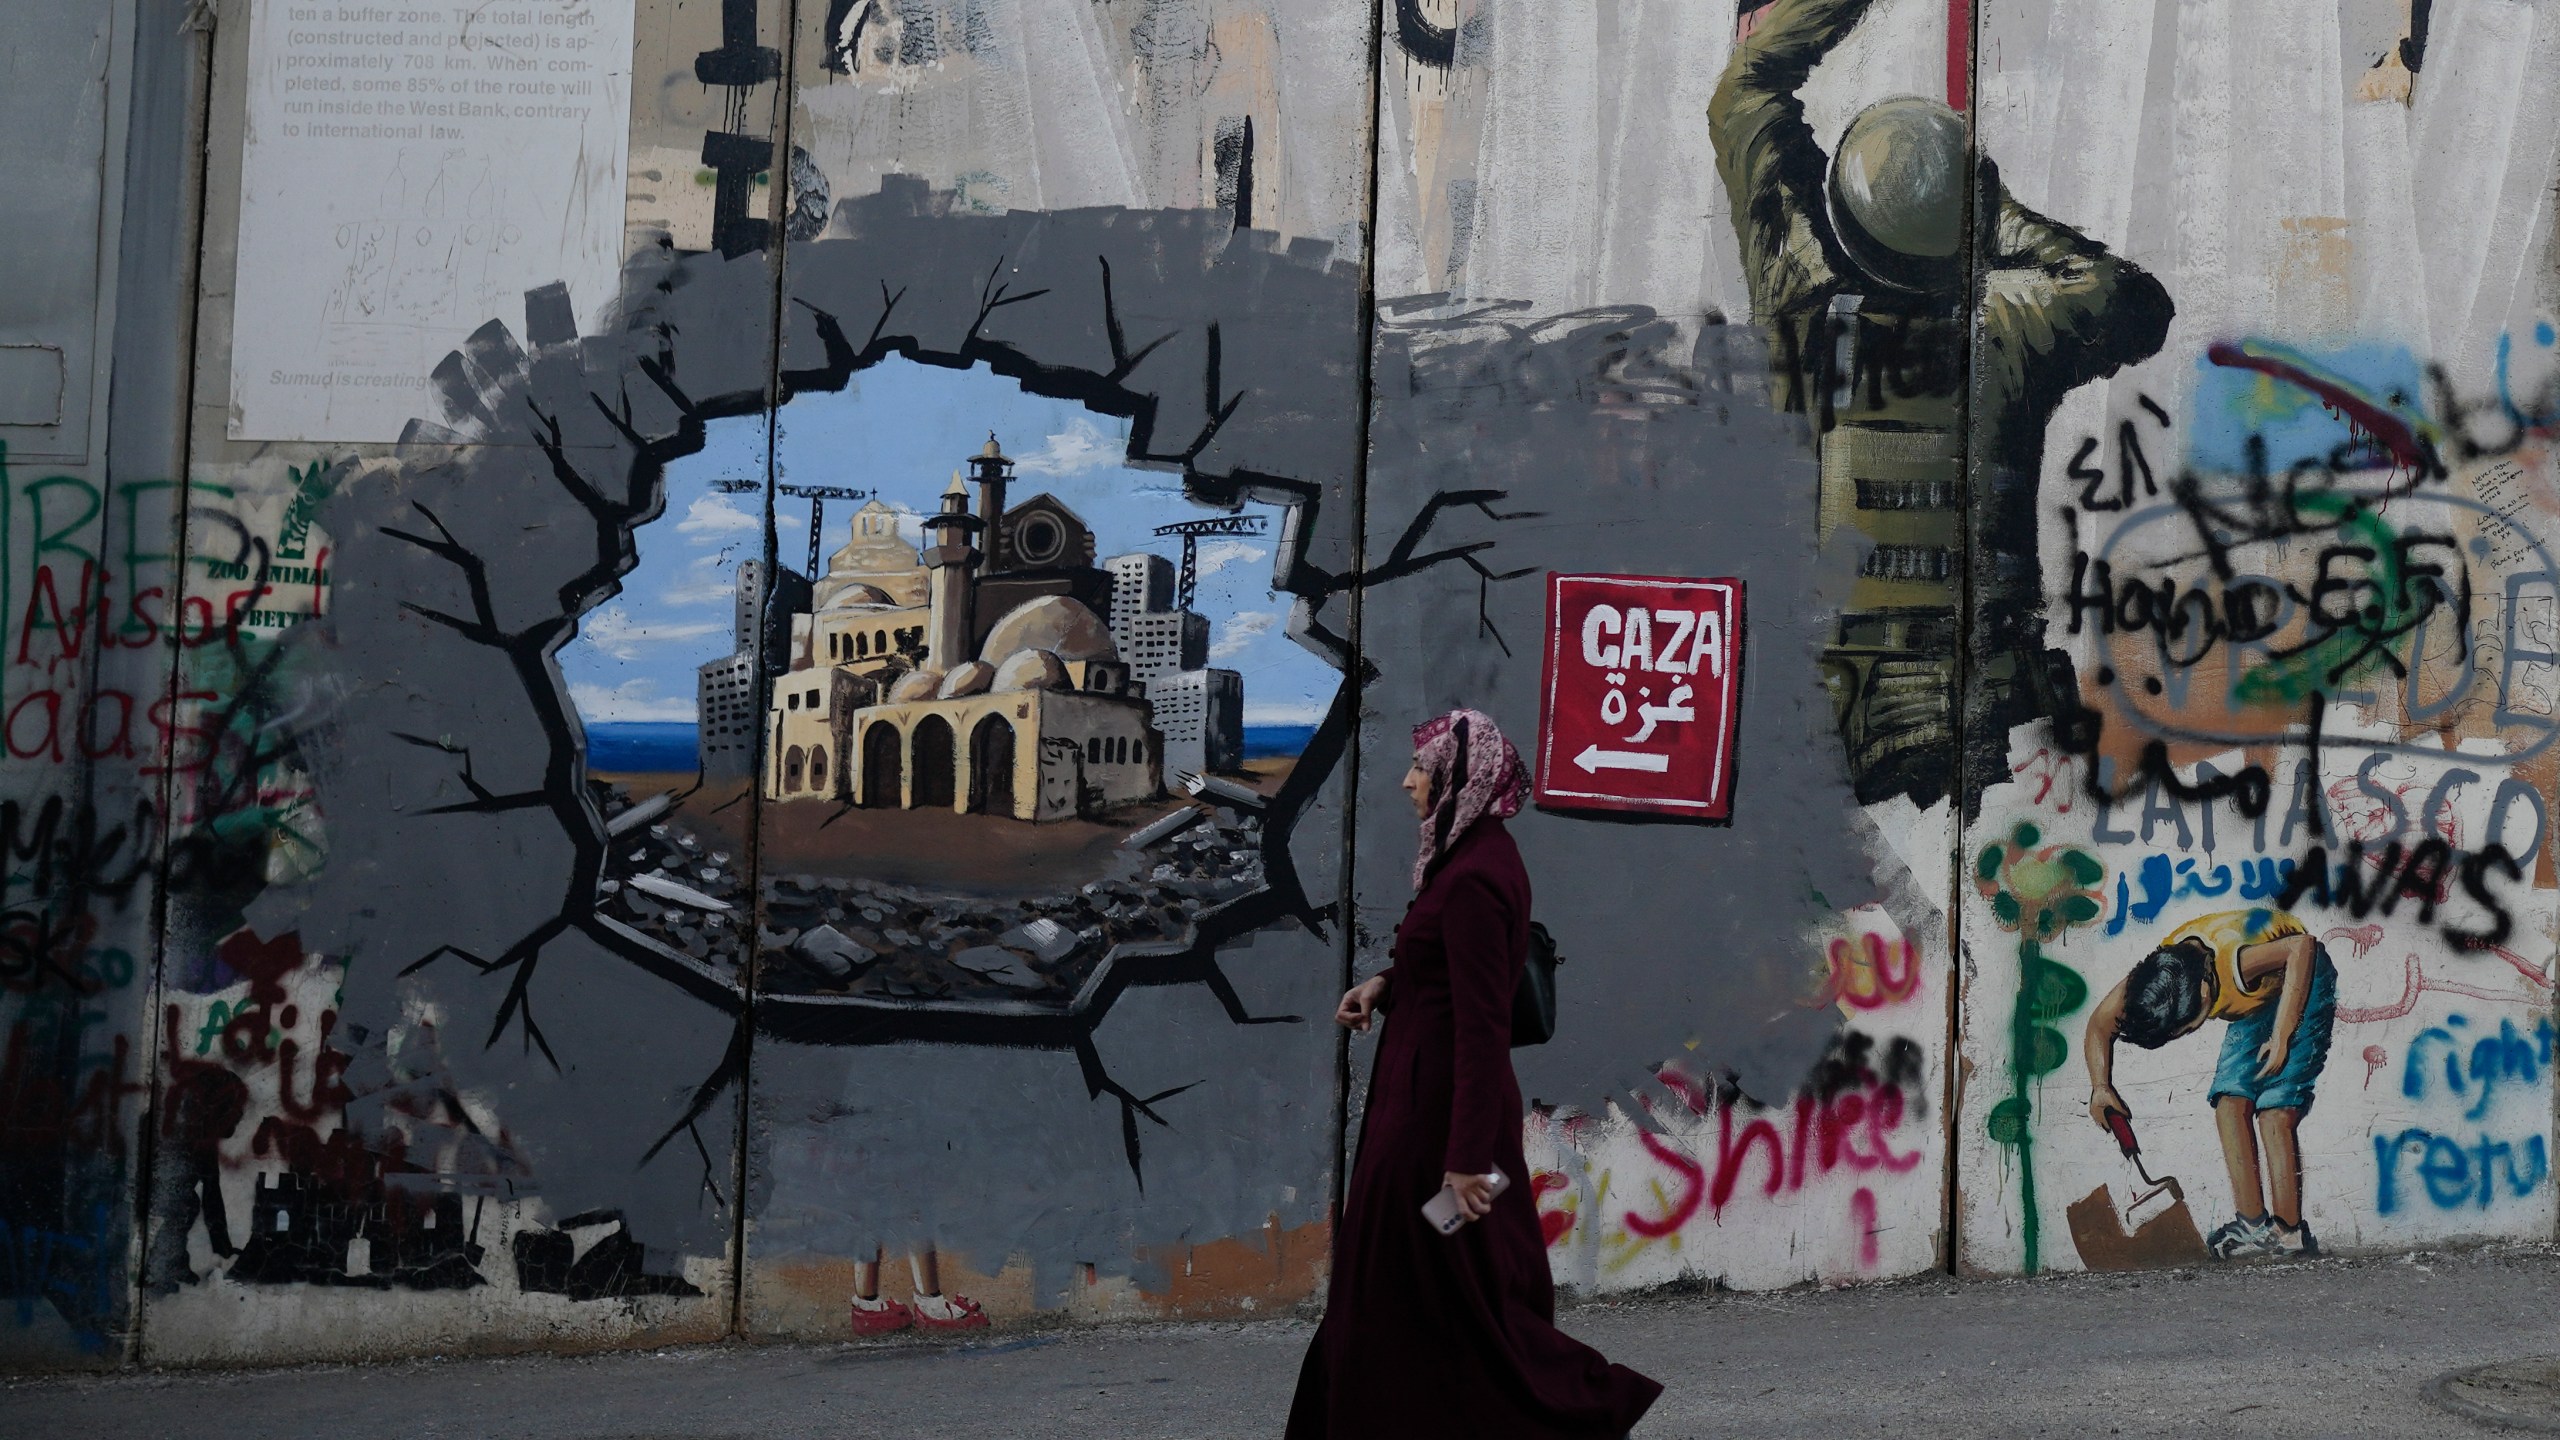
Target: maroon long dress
{"points": [[1427, 1335]]}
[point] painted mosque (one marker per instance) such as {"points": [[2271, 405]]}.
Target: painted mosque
{"points": [[999, 672]]}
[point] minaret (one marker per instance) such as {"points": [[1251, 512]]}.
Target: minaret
{"points": [[990, 469], [952, 559]]}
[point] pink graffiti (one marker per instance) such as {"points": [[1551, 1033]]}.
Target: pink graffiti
{"points": [[1685, 1204], [1879, 984], [2375, 1057], [2526, 968], [2049, 772], [2418, 981], [1679, 1082], [1846, 1131], [2360, 938], [1862, 1216]]}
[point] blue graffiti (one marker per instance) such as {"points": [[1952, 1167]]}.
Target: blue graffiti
{"points": [[2454, 1175], [77, 1273], [2507, 1058], [2164, 880]]}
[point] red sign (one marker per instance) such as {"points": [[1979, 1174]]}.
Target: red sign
{"points": [[1644, 683]]}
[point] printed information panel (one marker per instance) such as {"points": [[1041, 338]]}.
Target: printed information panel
{"points": [[1643, 684], [410, 171]]}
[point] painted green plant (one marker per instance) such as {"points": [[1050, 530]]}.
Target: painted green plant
{"points": [[2039, 892]]}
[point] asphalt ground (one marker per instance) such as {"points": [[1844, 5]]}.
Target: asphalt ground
{"points": [[2332, 1348]]}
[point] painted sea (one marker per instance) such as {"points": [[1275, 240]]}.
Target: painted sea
{"points": [[633, 747]]}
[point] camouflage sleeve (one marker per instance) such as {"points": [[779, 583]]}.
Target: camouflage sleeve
{"points": [[2058, 310], [1771, 165]]}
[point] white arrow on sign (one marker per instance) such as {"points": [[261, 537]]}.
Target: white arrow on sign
{"points": [[1593, 760]]}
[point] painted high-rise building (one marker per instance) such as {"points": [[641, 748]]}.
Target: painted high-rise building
{"points": [[728, 692], [1199, 711]]}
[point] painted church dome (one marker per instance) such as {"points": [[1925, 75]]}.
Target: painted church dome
{"points": [[1053, 623], [970, 677], [915, 685], [854, 596], [1031, 670]]}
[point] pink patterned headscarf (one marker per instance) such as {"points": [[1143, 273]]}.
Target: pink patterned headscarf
{"points": [[1474, 773]]}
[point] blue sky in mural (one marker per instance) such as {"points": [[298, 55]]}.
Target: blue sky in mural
{"points": [[899, 430]]}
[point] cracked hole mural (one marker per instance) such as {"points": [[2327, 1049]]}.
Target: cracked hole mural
{"points": [[729, 812], [1013, 716]]}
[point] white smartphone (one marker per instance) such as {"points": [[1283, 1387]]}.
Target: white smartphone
{"points": [[1442, 1209]]}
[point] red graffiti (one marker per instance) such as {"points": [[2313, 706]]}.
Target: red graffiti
{"points": [[1862, 1215], [1691, 1193], [1875, 984], [1553, 1224], [1846, 1132], [54, 1092], [263, 963], [2050, 772], [2417, 981], [1679, 1082], [91, 614]]}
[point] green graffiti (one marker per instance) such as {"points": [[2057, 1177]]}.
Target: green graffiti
{"points": [[311, 485], [2395, 598], [2039, 894]]}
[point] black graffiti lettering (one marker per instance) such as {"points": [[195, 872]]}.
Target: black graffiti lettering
{"points": [[2090, 476], [2362, 884], [2190, 620], [2423, 878], [2475, 869], [2130, 461]]}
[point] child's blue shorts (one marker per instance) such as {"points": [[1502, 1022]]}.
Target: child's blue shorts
{"points": [[2236, 1073]]}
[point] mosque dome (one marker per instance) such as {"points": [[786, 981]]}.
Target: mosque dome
{"points": [[1031, 670], [915, 685], [1053, 623], [854, 596], [970, 677]]}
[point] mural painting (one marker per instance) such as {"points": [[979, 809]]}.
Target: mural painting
{"points": [[939, 828], [2298, 566], [800, 755]]}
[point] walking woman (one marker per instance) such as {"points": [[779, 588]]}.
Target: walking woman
{"points": [[1425, 1334]]}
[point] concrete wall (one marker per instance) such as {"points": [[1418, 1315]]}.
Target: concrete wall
{"points": [[386, 975]]}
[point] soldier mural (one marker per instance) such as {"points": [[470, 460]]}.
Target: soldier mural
{"points": [[1858, 267]]}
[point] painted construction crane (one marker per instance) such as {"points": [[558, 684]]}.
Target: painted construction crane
{"points": [[1191, 531], [817, 496]]}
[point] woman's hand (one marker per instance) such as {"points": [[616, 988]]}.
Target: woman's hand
{"points": [[1474, 1192], [1360, 1004]]}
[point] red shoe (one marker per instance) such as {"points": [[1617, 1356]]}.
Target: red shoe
{"points": [[949, 1312], [881, 1317]]}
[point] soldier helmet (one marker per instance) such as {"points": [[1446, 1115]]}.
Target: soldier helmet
{"points": [[1897, 193]]}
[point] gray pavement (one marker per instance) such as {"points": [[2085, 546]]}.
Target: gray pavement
{"points": [[2334, 1348]]}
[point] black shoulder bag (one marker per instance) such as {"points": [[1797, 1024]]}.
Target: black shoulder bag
{"points": [[1533, 1005]]}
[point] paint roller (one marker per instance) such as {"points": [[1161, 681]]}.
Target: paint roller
{"points": [[2121, 1126], [2111, 1239]]}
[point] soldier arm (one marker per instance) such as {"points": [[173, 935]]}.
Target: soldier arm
{"points": [[2059, 310], [1766, 153]]}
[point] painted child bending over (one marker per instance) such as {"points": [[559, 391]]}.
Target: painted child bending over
{"points": [[2272, 985]]}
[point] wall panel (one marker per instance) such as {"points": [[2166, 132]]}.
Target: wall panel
{"points": [[2291, 578]]}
